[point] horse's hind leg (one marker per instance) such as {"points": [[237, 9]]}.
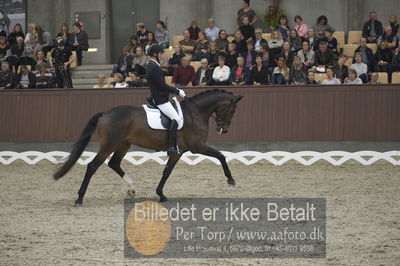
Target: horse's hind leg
{"points": [[115, 164], [91, 169], [166, 173]]}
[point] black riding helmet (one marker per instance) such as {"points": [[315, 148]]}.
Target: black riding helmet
{"points": [[155, 49]]}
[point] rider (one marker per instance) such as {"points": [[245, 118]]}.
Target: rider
{"points": [[160, 94]]}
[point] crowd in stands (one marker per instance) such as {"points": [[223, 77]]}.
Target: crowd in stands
{"points": [[292, 55], [27, 59]]}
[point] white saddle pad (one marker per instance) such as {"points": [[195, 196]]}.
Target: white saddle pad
{"points": [[154, 117]]}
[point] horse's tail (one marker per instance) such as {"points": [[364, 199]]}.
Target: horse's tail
{"points": [[79, 146]]}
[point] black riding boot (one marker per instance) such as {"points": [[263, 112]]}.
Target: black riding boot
{"points": [[172, 149]]}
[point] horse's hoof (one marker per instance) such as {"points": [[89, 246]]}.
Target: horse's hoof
{"points": [[231, 182], [163, 199], [131, 193], [78, 202]]}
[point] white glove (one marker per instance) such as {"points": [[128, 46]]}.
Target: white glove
{"points": [[181, 93]]}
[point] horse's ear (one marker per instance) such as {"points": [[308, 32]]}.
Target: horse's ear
{"points": [[237, 99]]}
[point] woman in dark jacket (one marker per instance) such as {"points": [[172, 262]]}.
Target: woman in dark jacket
{"points": [[383, 58], [17, 32], [240, 74], [25, 79], [259, 72]]}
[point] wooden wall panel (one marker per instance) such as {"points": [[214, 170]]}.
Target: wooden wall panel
{"points": [[286, 113]]}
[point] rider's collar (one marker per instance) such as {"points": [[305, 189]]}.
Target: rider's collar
{"points": [[155, 61]]}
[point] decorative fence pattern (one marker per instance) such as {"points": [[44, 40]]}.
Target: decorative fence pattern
{"points": [[245, 157]]}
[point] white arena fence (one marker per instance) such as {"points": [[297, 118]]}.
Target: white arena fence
{"points": [[245, 157]]}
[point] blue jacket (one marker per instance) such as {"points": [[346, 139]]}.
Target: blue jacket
{"points": [[246, 75]]}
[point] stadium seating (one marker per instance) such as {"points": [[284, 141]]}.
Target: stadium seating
{"points": [[320, 77], [109, 80], [168, 80], [176, 39], [168, 53], [349, 62], [396, 78], [383, 77], [196, 65], [373, 46], [354, 37], [349, 49], [266, 36], [231, 38], [339, 35]]}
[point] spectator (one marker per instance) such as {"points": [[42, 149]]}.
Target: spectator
{"points": [[311, 77], [395, 65], [162, 34], [240, 74], [323, 57], [283, 27], [150, 41], [221, 73], [247, 29], [312, 39], [187, 44], [44, 79], [30, 50], [204, 74], [176, 59], [40, 58], [267, 60], [306, 55], [139, 62], [6, 76], [372, 29], [44, 39], [394, 24], [360, 68], [194, 31], [383, 57], [246, 11], [212, 55], [331, 42], [301, 28], [25, 79], [164, 63], [141, 33], [322, 26], [280, 75], [102, 83], [340, 70], [136, 81], [275, 44], [4, 48], [366, 52], [222, 42], [259, 72], [17, 32], [63, 59], [79, 41], [298, 73], [184, 74], [16, 54], [295, 41], [239, 42], [374, 78], [119, 82], [122, 64], [211, 31], [231, 55], [388, 37], [32, 29], [250, 55], [287, 54], [352, 79], [201, 47], [133, 44], [259, 40], [64, 33], [330, 79]]}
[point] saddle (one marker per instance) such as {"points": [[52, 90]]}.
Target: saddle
{"points": [[156, 119]]}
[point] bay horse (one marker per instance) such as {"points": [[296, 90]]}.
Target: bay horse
{"points": [[122, 126]]}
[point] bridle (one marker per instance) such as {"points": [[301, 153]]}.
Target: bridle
{"points": [[220, 121]]}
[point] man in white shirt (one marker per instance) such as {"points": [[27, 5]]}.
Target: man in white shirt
{"points": [[360, 67], [221, 72], [212, 31]]}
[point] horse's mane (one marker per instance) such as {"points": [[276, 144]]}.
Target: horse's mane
{"points": [[209, 91]]}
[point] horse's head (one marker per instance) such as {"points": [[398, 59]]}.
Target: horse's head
{"points": [[224, 114]]}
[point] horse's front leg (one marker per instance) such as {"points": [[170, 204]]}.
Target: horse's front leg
{"points": [[207, 150], [166, 173]]}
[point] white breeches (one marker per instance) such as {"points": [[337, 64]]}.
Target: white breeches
{"points": [[169, 111]]}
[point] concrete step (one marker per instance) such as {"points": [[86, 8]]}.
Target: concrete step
{"points": [[84, 81], [94, 67], [83, 86], [90, 74]]}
